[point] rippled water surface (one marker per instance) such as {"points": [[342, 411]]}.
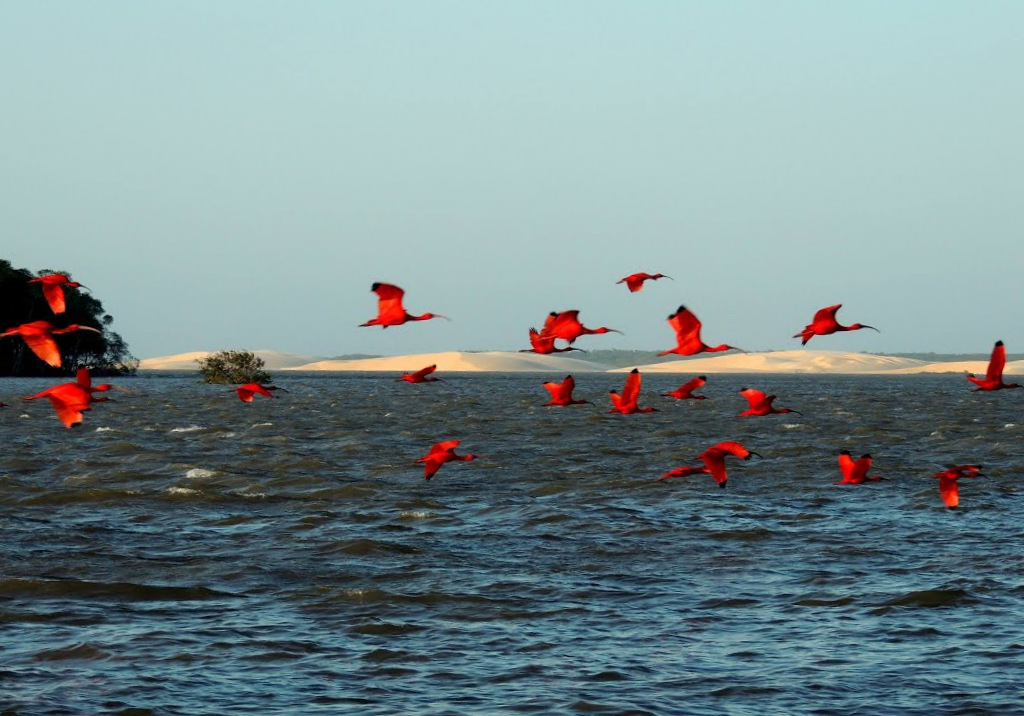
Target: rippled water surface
{"points": [[185, 553]]}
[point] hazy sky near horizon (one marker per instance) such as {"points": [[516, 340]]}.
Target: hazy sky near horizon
{"points": [[237, 174]]}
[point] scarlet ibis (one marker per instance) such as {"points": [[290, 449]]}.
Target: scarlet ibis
{"points": [[566, 325], [635, 282], [714, 462], [687, 328], [69, 401], [825, 323], [761, 404], [439, 454], [626, 402], [390, 311], [993, 379], [248, 390], [53, 289], [545, 345], [423, 375], [561, 393], [855, 472], [685, 391], [38, 336], [948, 488]]}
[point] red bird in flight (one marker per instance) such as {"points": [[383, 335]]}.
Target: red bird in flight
{"points": [[70, 400], [685, 391], [626, 402], [423, 375], [38, 336], [439, 454], [390, 311], [825, 323], [687, 328], [545, 345], [761, 404], [53, 289], [855, 472], [948, 488], [566, 325], [561, 393], [248, 390], [714, 462], [635, 282], [993, 379]]}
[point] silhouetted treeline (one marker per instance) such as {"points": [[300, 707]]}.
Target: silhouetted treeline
{"points": [[21, 302]]}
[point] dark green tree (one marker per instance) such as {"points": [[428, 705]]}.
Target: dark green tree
{"points": [[233, 367], [105, 353]]}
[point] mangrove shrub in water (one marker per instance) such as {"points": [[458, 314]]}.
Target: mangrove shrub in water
{"points": [[233, 367]]}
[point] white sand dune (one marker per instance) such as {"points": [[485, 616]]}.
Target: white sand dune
{"points": [[795, 361], [273, 360], [460, 361]]}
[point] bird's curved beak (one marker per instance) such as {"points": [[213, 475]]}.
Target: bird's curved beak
{"points": [[754, 453]]}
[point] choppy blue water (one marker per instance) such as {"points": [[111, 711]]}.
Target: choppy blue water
{"points": [[185, 553]]}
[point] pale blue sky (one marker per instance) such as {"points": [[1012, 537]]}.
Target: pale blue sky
{"points": [[237, 174]]}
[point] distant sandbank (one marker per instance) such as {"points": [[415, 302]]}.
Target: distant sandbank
{"points": [[784, 362]]}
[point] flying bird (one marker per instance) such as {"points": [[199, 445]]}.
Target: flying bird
{"points": [[687, 328], [685, 391], [626, 402], [69, 401], [248, 390], [439, 454], [38, 336], [825, 323], [53, 289], [545, 345], [993, 379], [635, 282], [566, 325], [390, 311], [423, 375], [561, 393], [855, 472], [714, 462], [948, 488], [761, 404]]}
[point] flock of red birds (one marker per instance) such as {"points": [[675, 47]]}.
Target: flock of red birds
{"points": [[71, 400]]}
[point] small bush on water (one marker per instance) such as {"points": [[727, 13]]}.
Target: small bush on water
{"points": [[233, 367]]}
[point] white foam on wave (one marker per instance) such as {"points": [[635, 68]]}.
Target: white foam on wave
{"points": [[181, 491], [414, 514], [105, 430], [261, 425], [189, 429], [199, 472]]}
